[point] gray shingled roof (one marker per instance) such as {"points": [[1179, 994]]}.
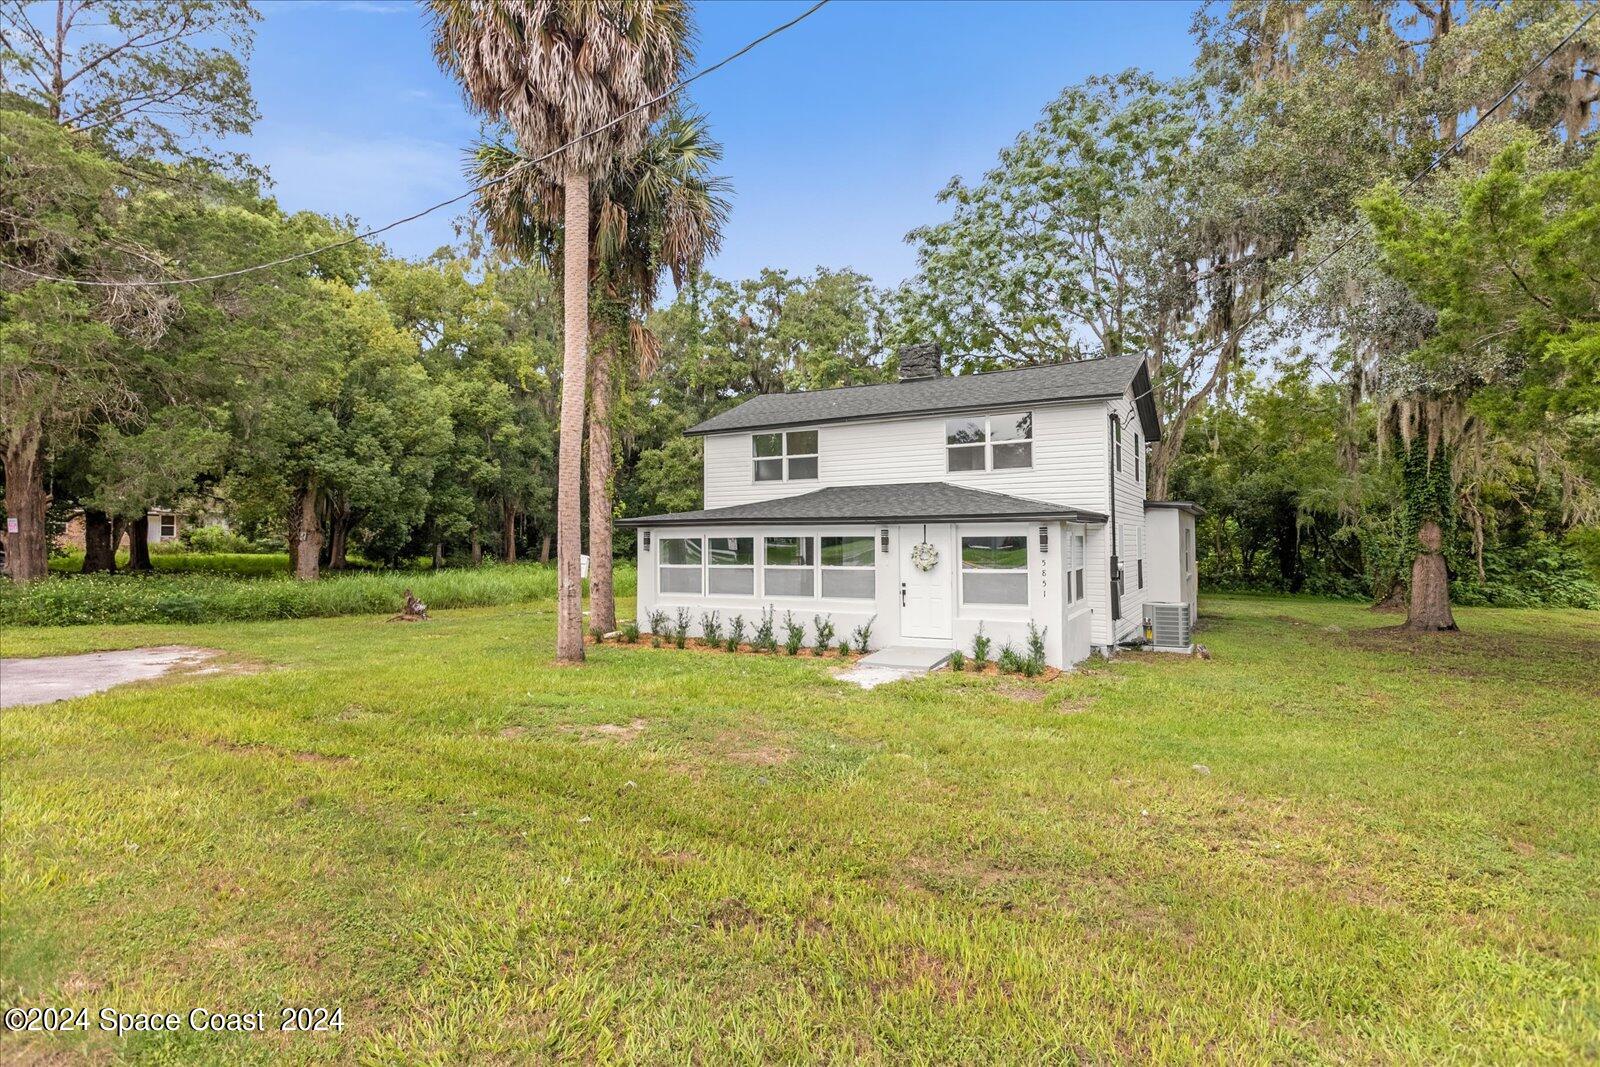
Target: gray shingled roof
{"points": [[1087, 379], [899, 502]]}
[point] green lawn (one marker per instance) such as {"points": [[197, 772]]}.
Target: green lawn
{"points": [[1325, 843]]}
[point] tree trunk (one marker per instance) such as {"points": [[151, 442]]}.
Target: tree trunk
{"points": [[139, 545], [574, 375], [544, 549], [477, 547], [99, 553], [438, 555], [339, 539], [1290, 572], [508, 533], [602, 596], [305, 533], [1429, 609], [28, 548]]}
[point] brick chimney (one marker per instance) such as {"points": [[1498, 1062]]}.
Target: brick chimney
{"points": [[924, 360]]}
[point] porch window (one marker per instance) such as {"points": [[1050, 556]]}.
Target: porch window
{"points": [[680, 565], [790, 566], [783, 457], [989, 442], [849, 568], [731, 565], [994, 570]]}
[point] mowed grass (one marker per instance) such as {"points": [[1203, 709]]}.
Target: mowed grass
{"points": [[1326, 843]]}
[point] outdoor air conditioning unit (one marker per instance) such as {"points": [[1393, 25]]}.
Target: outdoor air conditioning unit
{"points": [[1167, 627]]}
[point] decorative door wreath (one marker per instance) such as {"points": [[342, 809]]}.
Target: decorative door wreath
{"points": [[924, 556]]}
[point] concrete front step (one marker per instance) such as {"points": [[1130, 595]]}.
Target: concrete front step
{"points": [[906, 658]]}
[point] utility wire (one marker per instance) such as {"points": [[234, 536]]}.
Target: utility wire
{"points": [[679, 87], [1433, 165]]}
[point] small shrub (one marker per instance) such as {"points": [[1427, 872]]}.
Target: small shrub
{"points": [[824, 625], [862, 634], [680, 629], [765, 641], [794, 634], [958, 661], [735, 633], [711, 628], [844, 648], [1010, 660], [630, 633], [660, 626], [1033, 664], [598, 633], [980, 648]]}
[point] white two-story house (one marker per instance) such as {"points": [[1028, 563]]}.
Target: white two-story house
{"points": [[933, 505]]}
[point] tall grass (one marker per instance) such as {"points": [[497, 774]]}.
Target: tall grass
{"points": [[221, 597], [241, 564]]}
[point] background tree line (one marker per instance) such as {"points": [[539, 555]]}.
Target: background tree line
{"points": [[1419, 413]]}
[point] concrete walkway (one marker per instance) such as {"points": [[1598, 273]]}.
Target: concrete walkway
{"points": [[52, 678]]}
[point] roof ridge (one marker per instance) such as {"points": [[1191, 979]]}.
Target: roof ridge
{"points": [[945, 377]]}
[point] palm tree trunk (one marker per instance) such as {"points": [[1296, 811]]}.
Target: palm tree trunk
{"points": [[602, 596], [1429, 609], [575, 353]]}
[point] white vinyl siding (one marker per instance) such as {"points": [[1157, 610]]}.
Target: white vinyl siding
{"points": [[1068, 455]]}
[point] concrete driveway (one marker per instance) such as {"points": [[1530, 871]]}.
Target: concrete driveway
{"points": [[51, 678]]}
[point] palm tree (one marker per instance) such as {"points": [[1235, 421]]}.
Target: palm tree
{"points": [[659, 212], [555, 71]]}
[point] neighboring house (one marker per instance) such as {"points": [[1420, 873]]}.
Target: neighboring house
{"points": [[936, 504], [164, 526]]}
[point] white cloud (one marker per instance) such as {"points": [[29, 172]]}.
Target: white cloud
{"points": [[373, 7], [378, 180]]}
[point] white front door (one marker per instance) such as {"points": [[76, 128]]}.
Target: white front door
{"points": [[925, 594]]}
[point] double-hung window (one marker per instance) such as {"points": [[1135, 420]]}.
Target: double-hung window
{"points": [[1138, 540], [169, 527], [785, 457], [731, 565], [989, 442], [789, 566], [1138, 455], [680, 565], [994, 569], [1075, 564], [1116, 431], [849, 567], [1188, 552]]}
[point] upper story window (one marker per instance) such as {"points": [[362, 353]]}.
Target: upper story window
{"points": [[1138, 453], [1116, 431], [785, 457], [989, 442]]}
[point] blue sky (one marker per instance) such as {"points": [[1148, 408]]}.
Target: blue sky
{"points": [[838, 133]]}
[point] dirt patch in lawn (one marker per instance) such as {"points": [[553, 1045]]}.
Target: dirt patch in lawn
{"points": [[752, 749], [622, 733], [1029, 693]]}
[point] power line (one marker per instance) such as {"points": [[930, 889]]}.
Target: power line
{"points": [[1433, 165], [679, 87]]}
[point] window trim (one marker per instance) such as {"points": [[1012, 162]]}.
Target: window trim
{"points": [[1026, 570], [987, 445], [784, 455]]}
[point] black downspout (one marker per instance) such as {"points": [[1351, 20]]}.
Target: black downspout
{"points": [[1111, 485]]}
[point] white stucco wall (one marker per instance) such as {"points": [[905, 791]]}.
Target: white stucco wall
{"points": [[1066, 625]]}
